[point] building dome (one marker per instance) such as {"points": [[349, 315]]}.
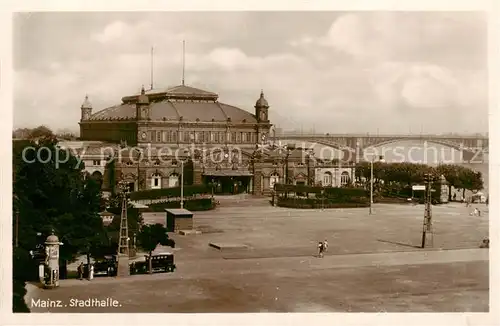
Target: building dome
{"points": [[86, 103], [262, 102], [174, 104]]}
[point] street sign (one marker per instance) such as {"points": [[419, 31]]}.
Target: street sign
{"points": [[418, 187]]}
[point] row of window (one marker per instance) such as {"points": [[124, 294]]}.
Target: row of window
{"points": [[328, 178], [174, 136]]}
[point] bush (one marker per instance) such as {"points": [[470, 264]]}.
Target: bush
{"points": [[170, 192]]}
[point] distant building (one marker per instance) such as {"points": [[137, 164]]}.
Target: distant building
{"points": [[150, 133], [334, 174]]}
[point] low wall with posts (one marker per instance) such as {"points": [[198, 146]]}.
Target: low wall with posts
{"points": [[152, 196], [299, 196]]}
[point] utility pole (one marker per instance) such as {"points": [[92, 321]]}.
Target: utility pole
{"points": [[123, 250], [371, 185], [427, 227]]}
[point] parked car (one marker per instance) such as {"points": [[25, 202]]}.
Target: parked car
{"points": [[163, 262]]}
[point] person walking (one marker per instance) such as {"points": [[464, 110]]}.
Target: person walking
{"points": [[80, 271], [321, 248], [91, 272], [325, 245]]}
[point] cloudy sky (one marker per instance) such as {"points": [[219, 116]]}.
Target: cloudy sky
{"points": [[328, 71]]}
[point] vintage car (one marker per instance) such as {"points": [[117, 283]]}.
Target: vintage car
{"points": [[107, 266], [162, 262]]}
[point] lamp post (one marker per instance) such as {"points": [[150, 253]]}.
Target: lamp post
{"points": [[182, 184], [380, 159], [289, 148], [182, 178]]}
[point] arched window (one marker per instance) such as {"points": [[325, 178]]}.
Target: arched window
{"points": [[156, 181], [274, 179], [344, 178], [327, 179], [173, 180]]}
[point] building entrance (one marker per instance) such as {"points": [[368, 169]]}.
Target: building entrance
{"points": [[229, 184]]}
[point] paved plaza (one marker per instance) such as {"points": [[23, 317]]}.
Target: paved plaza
{"points": [[373, 263]]}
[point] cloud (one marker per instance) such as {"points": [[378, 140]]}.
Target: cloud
{"points": [[353, 73], [112, 32]]}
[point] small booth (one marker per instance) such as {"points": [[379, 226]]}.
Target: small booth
{"points": [[51, 266], [178, 219]]}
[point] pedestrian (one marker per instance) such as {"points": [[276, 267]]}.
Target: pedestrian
{"points": [[91, 272], [80, 271], [321, 248], [325, 245]]}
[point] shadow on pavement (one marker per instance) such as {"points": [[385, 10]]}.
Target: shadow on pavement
{"points": [[398, 243]]}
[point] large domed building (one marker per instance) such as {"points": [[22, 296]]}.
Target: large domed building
{"points": [[157, 134]]}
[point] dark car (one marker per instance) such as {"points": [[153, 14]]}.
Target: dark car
{"points": [[163, 262], [107, 266]]}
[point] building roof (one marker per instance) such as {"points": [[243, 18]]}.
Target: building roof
{"points": [[262, 102], [86, 103], [178, 211], [178, 103]]}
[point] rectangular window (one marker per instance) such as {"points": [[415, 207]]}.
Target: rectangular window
{"points": [[233, 137], [228, 137], [221, 137], [243, 137], [152, 135], [186, 136], [249, 135], [197, 137], [168, 138], [158, 136], [238, 137], [164, 136], [206, 137], [174, 136], [216, 135], [96, 162]]}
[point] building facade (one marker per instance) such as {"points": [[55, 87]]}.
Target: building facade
{"points": [[154, 137]]}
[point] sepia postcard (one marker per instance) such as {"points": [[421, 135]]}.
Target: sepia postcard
{"points": [[269, 161]]}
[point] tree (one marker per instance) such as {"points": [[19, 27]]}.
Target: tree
{"points": [[471, 180], [150, 236], [40, 132], [52, 195]]}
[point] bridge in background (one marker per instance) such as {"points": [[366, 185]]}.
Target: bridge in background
{"points": [[472, 146]]}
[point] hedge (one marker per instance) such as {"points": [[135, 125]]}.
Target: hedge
{"points": [[318, 203], [189, 190], [203, 204], [328, 192]]}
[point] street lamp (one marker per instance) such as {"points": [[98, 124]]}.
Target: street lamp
{"points": [[380, 159], [182, 180], [289, 148], [182, 183]]}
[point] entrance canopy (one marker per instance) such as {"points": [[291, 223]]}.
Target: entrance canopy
{"points": [[228, 173]]}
